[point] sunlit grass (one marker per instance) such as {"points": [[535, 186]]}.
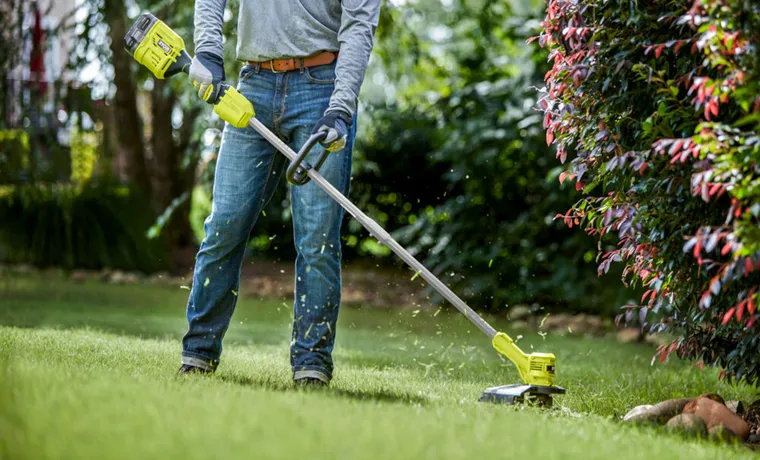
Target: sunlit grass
{"points": [[88, 371]]}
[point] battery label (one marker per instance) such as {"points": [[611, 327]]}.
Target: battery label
{"points": [[164, 46]]}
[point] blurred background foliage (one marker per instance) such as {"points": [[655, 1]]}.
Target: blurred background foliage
{"points": [[451, 156]]}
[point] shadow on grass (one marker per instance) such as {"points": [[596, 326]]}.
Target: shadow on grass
{"points": [[379, 395]]}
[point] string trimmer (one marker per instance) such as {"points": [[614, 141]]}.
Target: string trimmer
{"points": [[157, 47]]}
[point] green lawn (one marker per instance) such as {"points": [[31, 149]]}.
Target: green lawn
{"points": [[88, 371]]}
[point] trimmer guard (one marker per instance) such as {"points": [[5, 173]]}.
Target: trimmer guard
{"points": [[515, 394]]}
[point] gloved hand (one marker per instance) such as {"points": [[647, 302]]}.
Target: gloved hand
{"points": [[207, 74], [335, 124]]}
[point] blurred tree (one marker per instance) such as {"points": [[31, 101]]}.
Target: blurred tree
{"points": [[127, 120], [152, 122], [10, 52]]}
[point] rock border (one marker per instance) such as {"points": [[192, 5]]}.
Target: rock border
{"points": [[707, 416]]}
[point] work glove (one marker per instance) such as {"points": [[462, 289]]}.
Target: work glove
{"points": [[335, 124], [207, 74]]}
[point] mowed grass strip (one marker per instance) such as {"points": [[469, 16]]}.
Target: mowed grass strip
{"points": [[88, 371]]}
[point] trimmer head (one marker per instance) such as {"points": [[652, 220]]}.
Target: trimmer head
{"points": [[536, 370], [515, 394]]}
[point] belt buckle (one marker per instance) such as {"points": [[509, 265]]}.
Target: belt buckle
{"points": [[271, 67]]}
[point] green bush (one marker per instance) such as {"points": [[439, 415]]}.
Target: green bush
{"points": [[392, 174], [14, 155], [487, 227], [64, 226], [657, 105]]}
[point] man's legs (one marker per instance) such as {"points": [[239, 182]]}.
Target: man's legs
{"points": [[316, 223], [241, 191], [247, 172]]}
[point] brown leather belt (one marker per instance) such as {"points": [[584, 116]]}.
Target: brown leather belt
{"points": [[286, 65]]}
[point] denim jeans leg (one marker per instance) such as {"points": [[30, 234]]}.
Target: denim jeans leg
{"points": [[316, 223], [316, 226], [247, 172]]}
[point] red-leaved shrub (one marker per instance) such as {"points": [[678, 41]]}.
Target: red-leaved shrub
{"points": [[657, 104]]}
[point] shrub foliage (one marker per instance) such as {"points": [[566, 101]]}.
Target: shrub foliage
{"points": [[92, 227], [485, 224], [656, 104]]}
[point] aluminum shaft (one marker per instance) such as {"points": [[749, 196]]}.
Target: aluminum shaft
{"points": [[378, 232]]}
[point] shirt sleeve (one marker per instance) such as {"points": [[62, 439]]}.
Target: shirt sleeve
{"points": [[356, 37], [208, 20]]}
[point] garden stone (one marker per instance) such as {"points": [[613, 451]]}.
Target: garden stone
{"points": [[520, 324], [105, 274], [689, 424], [737, 407], [595, 321], [160, 278], [131, 278], [657, 339], [116, 277], [595, 324], [722, 433], [180, 281], [629, 335], [79, 276], [519, 312], [754, 439], [716, 414], [580, 324], [638, 410], [662, 412], [715, 397], [52, 272], [557, 322], [25, 269]]}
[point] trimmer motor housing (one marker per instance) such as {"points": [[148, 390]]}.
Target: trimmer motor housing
{"points": [[541, 369], [534, 368], [156, 46]]}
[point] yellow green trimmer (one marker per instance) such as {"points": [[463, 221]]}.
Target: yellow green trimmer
{"points": [[156, 46]]}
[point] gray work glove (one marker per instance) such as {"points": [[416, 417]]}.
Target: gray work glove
{"points": [[207, 75], [335, 124]]}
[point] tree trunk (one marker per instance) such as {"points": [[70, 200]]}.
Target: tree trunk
{"points": [[163, 155], [170, 180], [127, 118], [183, 233]]}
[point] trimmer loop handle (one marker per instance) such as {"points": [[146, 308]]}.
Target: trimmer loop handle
{"points": [[298, 170]]}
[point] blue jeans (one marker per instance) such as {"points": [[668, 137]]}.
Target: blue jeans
{"points": [[248, 170]]}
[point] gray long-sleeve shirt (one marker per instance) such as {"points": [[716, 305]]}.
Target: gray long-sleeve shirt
{"points": [[272, 29]]}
